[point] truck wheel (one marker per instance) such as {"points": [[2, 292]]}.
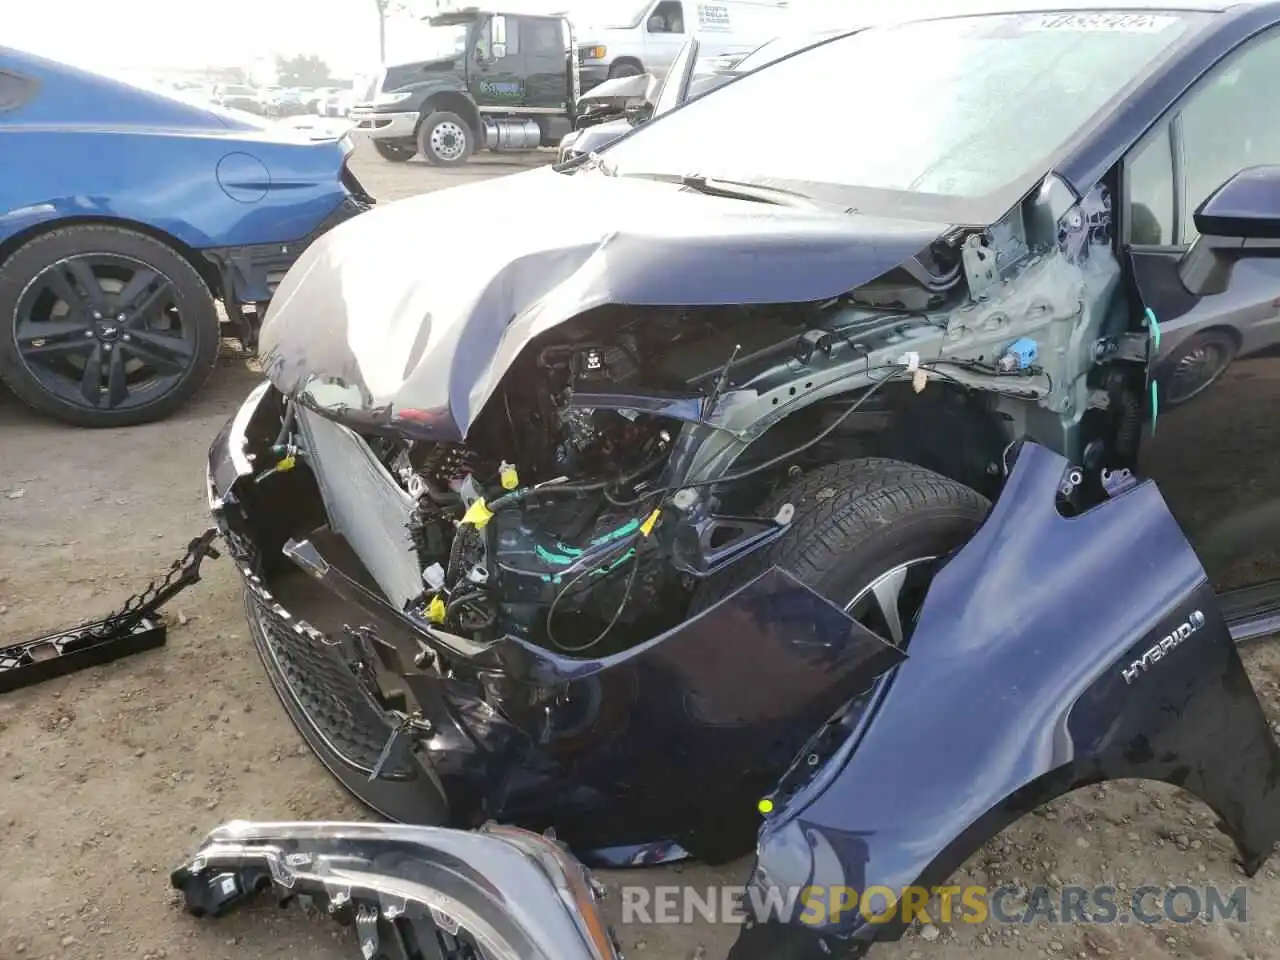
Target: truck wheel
{"points": [[624, 69], [867, 535], [104, 327], [395, 152], [445, 139]]}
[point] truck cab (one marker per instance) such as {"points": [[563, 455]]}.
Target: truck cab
{"points": [[482, 80], [630, 37]]}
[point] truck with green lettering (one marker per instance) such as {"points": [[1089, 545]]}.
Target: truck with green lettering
{"points": [[485, 80]]}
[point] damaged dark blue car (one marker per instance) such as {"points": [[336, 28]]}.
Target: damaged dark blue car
{"points": [[843, 504]]}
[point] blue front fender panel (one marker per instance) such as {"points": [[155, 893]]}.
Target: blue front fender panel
{"points": [[1052, 652]]}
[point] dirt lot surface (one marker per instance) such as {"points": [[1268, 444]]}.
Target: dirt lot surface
{"points": [[109, 777]]}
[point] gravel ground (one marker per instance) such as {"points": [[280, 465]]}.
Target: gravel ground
{"points": [[110, 776]]}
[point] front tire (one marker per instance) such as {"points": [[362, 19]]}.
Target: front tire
{"points": [[445, 139], [102, 326], [867, 535], [395, 152]]}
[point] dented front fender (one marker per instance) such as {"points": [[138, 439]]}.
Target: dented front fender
{"points": [[1051, 653]]}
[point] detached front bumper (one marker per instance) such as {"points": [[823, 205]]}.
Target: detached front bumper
{"points": [[385, 126], [411, 891]]}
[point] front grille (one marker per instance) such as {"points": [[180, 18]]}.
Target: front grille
{"points": [[321, 685]]}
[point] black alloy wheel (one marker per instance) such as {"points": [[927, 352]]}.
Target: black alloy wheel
{"points": [[1198, 364], [113, 332]]}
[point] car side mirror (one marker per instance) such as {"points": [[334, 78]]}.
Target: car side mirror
{"points": [[657, 25], [1240, 219]]}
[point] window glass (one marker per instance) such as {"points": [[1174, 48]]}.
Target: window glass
{"points": [[1231, 123], [667, 17], [543, 37], [1150, 182], [962, 107]]}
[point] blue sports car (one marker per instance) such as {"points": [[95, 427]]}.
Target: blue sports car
{"points": [[125, 217]]}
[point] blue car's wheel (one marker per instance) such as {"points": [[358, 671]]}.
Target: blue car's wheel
{"points": [[104, 327]]}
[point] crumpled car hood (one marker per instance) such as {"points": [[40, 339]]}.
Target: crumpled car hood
{"points": [[405, 318]]}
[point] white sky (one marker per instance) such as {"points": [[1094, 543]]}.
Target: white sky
{"points": [[144, 34], [176, 33]]}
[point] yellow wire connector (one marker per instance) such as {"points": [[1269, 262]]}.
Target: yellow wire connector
{"points": [[436, 610], [650, 522], [508, 477], [478, 514]]}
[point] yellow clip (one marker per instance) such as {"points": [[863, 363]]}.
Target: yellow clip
{"points": [[765, 806], [287, 463], [508, 477], [477, 514], [436, 610], [646, 528]]}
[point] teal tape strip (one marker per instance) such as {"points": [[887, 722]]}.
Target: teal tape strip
{"points": [[1153, 334]]}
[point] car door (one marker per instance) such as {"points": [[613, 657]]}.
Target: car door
{"points": [[1213, 361], [546, 65], [495, 75]]}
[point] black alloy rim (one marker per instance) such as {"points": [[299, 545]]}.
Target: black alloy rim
{"points": [[1199, 369], [103, 331]]}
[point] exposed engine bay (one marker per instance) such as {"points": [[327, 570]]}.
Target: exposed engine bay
{"points": [[627, 454]]}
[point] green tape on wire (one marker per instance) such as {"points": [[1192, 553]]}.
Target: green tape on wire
{"points": [[1153, 333]]}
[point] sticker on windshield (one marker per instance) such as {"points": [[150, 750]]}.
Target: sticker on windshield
{"points": [[1099, 23]]}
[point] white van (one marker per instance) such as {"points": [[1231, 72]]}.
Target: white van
{"points": [[622, 38]]}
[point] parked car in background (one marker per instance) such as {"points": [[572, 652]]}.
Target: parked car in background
{"points": [[266, 95], [313, 100], [114, 257], [689, 77], [622, 38], [237, 96], [339, 104], [286, 103]]}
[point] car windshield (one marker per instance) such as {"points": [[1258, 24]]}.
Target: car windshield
{"points": [[776, 49], [965, 107]]}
